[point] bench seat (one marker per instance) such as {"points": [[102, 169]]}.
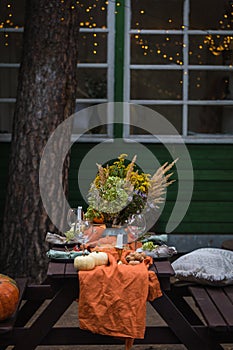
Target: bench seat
{"points": [[215, 305]]}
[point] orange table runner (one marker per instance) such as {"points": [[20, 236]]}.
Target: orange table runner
{"points": [[112, 299]]}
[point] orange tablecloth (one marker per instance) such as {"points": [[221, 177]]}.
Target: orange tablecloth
{"points": [[112, 299]]}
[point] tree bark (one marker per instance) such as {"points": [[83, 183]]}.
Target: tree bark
{"points": [[45, 98]]}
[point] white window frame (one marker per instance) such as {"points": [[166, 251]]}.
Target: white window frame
{"points": [[186, 68], [109, 65]]}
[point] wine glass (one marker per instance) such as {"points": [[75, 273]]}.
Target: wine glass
{"points": [[72, 217], [136, 227], [83, 232]]}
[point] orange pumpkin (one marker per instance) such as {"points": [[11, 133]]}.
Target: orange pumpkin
{"points": [[9, 296], [99, 220]]}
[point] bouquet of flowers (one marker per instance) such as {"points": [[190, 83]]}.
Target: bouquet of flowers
{"points": [[121, 190]]}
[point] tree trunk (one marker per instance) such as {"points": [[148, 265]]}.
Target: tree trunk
{"points": [[45, 98]]}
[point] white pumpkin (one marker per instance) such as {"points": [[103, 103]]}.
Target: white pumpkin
{"points": [[101, 258], [84, 262]]}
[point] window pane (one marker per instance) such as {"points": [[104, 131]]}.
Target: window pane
{"points": [[93, 14], [211, 85], [153, 14], [211, 49], [210, 14], [11, 47], [6, 117], [91, 118], [12, 13], [92, 47], [210, 119], [172, 113], [153, 84], [92, 83], [156, 49], [8, 82]]}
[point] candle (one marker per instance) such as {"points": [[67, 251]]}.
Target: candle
{"points": [[79, 214], [119, 242]]}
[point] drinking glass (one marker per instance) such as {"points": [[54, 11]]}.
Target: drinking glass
{"points": [[136, 227]]}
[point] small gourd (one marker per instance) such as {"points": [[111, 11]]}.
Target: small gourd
{"points": [[84, 262], [101, 258], [9, 297]]}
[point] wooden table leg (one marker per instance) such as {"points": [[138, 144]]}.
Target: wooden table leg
{"points": [[47, 319], [180, 326]]}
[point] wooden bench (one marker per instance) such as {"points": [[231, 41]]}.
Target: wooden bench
{"points": [[208, 309], [215, 305], [13, 329]]}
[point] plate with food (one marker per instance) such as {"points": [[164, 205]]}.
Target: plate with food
{"points": [[157, 251]]}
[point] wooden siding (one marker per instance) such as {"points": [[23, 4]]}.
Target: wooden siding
{"points": [[211, 208]]}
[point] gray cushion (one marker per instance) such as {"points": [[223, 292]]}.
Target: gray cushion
{"points": [[212, 266]]}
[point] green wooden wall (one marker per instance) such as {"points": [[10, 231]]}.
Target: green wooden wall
{"points": [[211, 208]]}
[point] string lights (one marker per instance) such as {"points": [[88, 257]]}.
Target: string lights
{"points": [[93, 14]]}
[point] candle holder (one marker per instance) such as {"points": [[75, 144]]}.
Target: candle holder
{"points": [[119, 247], [119, 252]]}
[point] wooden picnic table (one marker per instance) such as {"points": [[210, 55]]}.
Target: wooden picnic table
{"points": [[62, 288]]}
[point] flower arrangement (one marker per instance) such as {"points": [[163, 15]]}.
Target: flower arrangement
{"points": [[121, 190]]}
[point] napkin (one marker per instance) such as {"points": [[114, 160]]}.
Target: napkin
{"points": [[60, 254], [112, 299]]}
